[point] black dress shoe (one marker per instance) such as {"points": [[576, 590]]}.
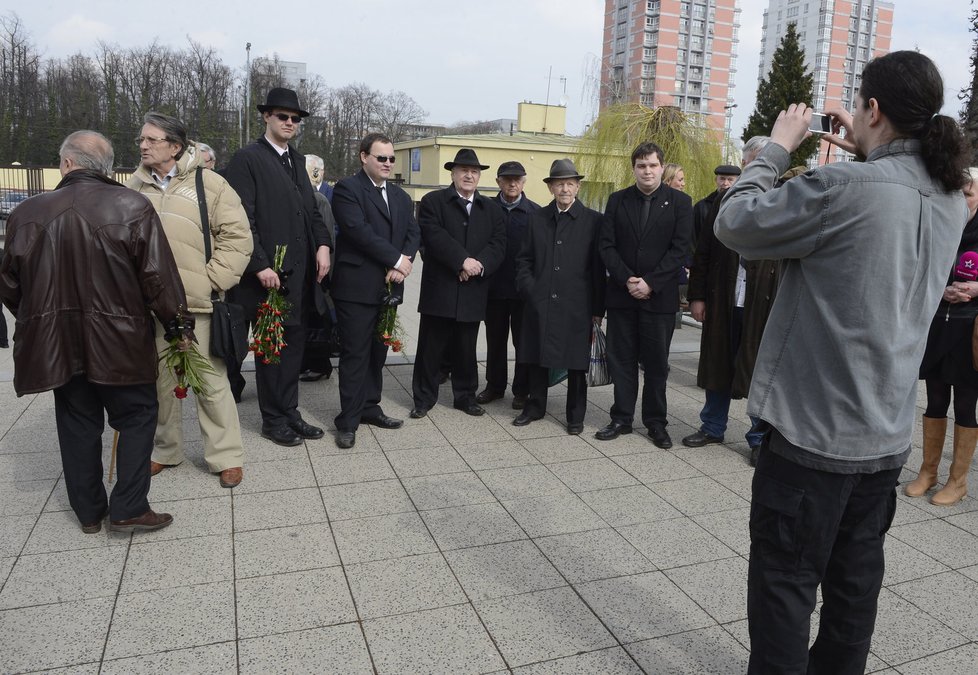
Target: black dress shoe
{"points": [[660, 438], [473, 409], [346, 439], [305, 430], [488, 396], [575, 429], [519, 402], [382, 421], [523, 420], [312, 376], [282, 435], [613, 431], [417, 413], [701, 438]]}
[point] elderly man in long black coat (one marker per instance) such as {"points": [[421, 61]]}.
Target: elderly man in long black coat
{"points": [[561, 278], [464, 240], [270, 177]]}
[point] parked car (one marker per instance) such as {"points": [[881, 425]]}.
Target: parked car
{"points": [[9, 200]]}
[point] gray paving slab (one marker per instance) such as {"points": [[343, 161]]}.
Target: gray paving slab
{"points": [[284, 549], [216, 658], [293, 601], [52, 636], [499, 570], [338, 649], [403, 585], [593, 555]]}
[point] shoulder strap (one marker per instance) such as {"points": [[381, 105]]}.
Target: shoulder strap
{"points": [[204, 222]]}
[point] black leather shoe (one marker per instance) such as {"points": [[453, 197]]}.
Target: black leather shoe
{"points": [[417, 413], [701, 438], [305, 430], [473, 409], [282, 435], [523, 420], [382, 421], [312, 376], [346, 439], [660, 438], [519, 402], [613, 431], [755, 451], [488, 396], [575, 429]]}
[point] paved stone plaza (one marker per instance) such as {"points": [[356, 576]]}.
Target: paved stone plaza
{"points": [[454, 545]]}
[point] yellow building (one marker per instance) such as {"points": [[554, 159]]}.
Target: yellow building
{"points": [[538, 140]]}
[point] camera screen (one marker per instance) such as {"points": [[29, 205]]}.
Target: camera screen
{"points": [[820, 124]]}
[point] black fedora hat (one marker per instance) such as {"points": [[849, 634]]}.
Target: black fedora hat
{"points": [[562, 168], [510, 169], [283, 98], [465, 157]]}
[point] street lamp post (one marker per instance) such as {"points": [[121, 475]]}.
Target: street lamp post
{"points": [[247, 105], [728, 111]]}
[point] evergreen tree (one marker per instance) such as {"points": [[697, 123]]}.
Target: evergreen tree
{"points": [[969, 113], [788, 82]]}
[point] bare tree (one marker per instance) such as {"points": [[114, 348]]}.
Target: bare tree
{"points": [[397, 113]]}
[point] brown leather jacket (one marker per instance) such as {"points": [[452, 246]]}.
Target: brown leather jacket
{"points": [[83, 266]]}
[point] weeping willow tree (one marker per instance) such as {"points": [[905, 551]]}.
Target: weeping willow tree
{"points": [[604, 154]]}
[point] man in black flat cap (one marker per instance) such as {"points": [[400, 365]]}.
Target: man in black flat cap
{"points": [[725, 176], [464, 240], [505, 307], [270, 177]]}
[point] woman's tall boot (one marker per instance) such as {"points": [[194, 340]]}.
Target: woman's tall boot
{"points": [[935, 431], [965, 439]]}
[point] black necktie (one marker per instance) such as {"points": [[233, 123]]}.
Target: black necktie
{"points": [[646, 208], [465, 204], [380, 191]]}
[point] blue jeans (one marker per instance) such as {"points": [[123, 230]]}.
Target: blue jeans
{"points": [[715, 413]]}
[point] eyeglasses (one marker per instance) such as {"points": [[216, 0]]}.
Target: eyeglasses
{"points": [[148, 139], [285, 118], [383, 159]]}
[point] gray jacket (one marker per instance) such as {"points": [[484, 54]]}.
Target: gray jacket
{"points": [[866, 249]]}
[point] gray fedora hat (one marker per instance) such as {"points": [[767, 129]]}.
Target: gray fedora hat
{"points": [[283, 98], [562, 168], [465, 157]]}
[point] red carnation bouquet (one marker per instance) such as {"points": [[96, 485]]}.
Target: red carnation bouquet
{"points": [[268, 337], [182, 358], [389, 329]]}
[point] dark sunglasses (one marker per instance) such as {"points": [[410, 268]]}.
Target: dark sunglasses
{"points": [[384, 159], [295, 118]]}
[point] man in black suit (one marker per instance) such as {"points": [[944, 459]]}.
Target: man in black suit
{"points": [[270, 177], [505, 307], [464, 239], [377, 242], [645, 238]]}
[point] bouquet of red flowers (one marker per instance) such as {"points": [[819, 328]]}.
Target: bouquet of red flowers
{"points": [[268, 337], [183, 359], [389, 329]]}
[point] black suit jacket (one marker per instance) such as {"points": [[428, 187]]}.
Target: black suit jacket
{"points": [[655, 252], [370, 241], [282, 211], [450, 236]]}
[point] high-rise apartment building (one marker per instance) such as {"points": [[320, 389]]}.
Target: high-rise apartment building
{"points": [[678, 53], [838, 38]]}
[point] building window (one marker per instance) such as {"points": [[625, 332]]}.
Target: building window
{"points": [[651, 39], [680, 86], [698, 27], [678, 101], [699, 11], [792, 11], [648, 70], [652, 22], [620, 44], [680, 72], [684, 9], [680, 56], [653, 5]]}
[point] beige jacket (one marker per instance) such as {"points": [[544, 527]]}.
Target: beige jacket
{"points": [[231, 241]]}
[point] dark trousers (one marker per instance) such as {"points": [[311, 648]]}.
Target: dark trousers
{"points": [[536, 402], [809, 527], [362, 359], [278, 384], [635, 336], [79, 410], [435, 334], [500, 315]]}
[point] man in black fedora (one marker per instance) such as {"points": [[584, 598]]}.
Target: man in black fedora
{"points": [[504, 310], [270, 177], [464, 239]]}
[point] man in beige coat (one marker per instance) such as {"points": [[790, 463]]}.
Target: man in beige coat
{"points": [[167, 176]]}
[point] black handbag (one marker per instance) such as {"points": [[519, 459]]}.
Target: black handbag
{"points": [[229, 328]]}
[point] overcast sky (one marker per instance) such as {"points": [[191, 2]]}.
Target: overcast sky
{"points": [[459, 61]]}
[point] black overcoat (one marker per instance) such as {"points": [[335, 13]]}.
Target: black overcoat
{"points": [[371, 240], [713, 279], [561, 279], [282, 211], [655, 252], [502, 286], [449, 236]]}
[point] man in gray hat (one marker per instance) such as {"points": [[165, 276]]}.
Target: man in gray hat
{"points": [[270, 177], [505, 308], [464, 239]]}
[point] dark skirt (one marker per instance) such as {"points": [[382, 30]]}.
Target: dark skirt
{"points": [[947, 357]]}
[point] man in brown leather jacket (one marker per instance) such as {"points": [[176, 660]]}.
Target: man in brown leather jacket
{"points": [[84, 264]]}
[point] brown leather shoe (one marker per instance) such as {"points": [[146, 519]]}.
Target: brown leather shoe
{"points": [[148, 521], [231, 477], [156, 467]]}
